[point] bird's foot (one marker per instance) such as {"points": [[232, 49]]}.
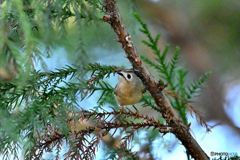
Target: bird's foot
{"points": [[122, 110], [137, 115]]}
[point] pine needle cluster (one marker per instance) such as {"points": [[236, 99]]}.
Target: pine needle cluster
{"points": [[181, 93]]}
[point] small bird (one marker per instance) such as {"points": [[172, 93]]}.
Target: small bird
{"points": [[129, 89]]}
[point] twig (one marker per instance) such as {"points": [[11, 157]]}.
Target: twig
{"points": [[102, 126]]}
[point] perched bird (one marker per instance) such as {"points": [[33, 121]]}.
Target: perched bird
{"points": [[129, 89]]}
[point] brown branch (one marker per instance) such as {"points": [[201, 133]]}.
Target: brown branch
{"points": [[87, 138], [178, 128], [118, 120]]}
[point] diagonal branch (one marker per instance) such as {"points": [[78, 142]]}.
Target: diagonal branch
{"points": [[178, 128]]}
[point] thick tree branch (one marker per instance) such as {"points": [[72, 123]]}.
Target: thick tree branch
{"points": [[178, 128]]}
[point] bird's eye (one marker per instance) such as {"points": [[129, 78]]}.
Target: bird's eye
{"points": [[129, 76]]}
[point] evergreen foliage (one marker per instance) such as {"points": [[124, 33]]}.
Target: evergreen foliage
{"points": [[28, 110], [40, 110], [173, 75], [128, 154]]}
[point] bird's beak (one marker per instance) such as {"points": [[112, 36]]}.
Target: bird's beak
{"points": [[120, 73]]}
